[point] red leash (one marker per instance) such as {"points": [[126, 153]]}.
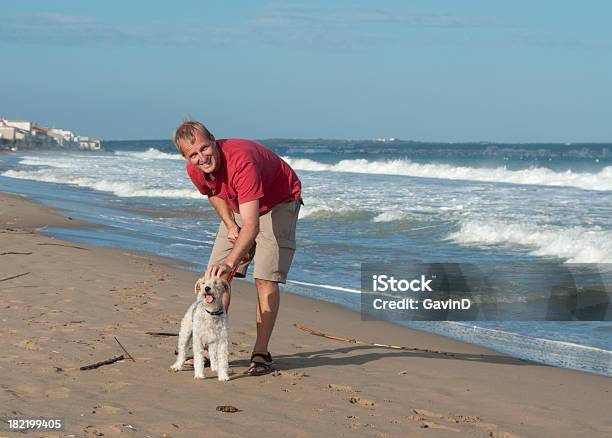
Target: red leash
{"points": [[230, 276]]}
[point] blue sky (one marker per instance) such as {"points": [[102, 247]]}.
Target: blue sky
{"points": [[423, 70]]}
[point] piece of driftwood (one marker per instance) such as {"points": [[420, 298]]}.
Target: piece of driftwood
{"points": [[161, 334], [15, 253], [14, 276], [123, 348], [104, 362], [373, 344], [61, 244]]}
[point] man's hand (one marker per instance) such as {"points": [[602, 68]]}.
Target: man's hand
{"points": [[232, 233], [249, 212], [218, 270]]}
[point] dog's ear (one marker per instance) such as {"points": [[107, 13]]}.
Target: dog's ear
{"points": [[198, 286], [226, 286]]}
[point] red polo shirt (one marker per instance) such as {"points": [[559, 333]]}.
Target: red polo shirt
{"points": [[248, 171]]}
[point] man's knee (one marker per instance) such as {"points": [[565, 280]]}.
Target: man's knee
{"points": [[266, 286]]}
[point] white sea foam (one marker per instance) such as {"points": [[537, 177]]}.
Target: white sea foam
{"points": [[559, 353], [326, 286], [390, 216], [307, 164], [150, 154], [118, 188], [323, 211], [74, 162], [601, 180], [576, 244]]}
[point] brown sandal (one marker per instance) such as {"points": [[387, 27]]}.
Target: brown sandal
{"points": [[260, 368]]}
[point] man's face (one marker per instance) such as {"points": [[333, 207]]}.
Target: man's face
{"points": [[202, 153]]}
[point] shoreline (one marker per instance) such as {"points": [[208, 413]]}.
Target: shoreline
{"points": [[75, 298], [582, 356]]}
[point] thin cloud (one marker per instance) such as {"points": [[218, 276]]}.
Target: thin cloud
{"points": [[351, 27], [72, 30], [352, 17], [561, 42]]}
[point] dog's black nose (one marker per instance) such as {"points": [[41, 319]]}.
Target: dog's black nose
{"points": [[207, 289]]}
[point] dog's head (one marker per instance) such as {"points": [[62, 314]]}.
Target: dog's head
{"points": [[209, 291]]}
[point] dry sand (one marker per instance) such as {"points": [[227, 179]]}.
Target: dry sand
{"points": [[74, 299]]}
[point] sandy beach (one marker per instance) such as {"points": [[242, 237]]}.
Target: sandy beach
{"points": [[63, 304]]}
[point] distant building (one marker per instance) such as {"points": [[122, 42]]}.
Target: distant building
{"points": [[14, 130], [21, 124], [61, 134], [22, 134], [88, 143]]}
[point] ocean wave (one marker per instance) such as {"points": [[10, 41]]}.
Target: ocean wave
{"points": [[576, 244], [150, 154], [121, 189], [326, 212], [73, 162], [601, 180], [390, 216], [553, 352], [308, 164], [323, 211]]}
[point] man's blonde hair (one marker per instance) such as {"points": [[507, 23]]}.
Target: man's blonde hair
{"points": [[184, 131]]}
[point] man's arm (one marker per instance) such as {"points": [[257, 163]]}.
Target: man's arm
{"points": [[249, 212], [227, 216]]}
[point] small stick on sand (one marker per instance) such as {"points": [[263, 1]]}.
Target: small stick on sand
{"points": [[161, 334], [104, 362], [373, 344], [123, 348], [15, 253], [67, 246], [14, 276]]}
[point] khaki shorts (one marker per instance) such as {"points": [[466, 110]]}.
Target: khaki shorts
{"points": [[274, 245]]}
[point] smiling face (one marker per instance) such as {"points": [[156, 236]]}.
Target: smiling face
{"points": [[201, 152], [210, 291]]}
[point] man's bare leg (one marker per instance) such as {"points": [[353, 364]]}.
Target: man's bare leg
{"points": [[268, 300]]}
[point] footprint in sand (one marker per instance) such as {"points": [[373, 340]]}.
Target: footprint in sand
{"points": [[425, 416], [58, 393], [466, 419], [28, 344], [362, 402], [297, 375], [106, 409], [27, 390], [502, 435], [432, 425], [118, 385], [343, 388], [430, 414], [455, 418]]}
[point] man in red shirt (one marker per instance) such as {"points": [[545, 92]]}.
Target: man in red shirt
{"points": [[257, 196]]}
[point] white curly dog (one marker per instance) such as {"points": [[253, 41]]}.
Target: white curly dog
{"points": [[206, 322]]}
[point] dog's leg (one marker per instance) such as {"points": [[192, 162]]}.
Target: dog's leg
{"points": [[198, 350], [222, 350], [183, 339], [212, 352]]}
